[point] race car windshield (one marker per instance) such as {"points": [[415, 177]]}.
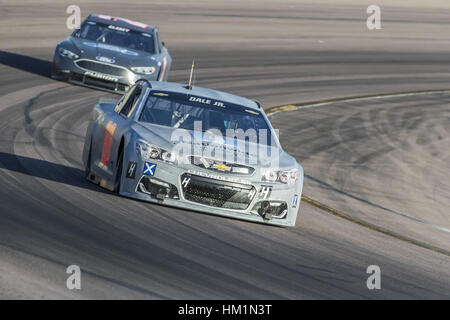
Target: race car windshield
{"points": [[184, 114], [116, 36]]}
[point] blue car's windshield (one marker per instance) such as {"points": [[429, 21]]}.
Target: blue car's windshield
{"points": [[180, 111], [117, 36]]}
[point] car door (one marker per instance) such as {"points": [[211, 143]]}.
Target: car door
{"points": [[110, 132], [124, 121]]}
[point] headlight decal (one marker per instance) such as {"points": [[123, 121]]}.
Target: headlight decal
{"points": [[283, 176], [67, 53], [151, 152], [144, 70]]}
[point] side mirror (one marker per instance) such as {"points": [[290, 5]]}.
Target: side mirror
{"points": [[163, 43], [76, 32]]}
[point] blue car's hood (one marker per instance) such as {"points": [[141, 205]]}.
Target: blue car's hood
{"points": [[107, 53]]}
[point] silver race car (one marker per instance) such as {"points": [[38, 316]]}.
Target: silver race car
{"points": [[193, 148], [111, 53]]}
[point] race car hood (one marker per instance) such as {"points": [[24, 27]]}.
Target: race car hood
{"points": [[251, 153], [107, 53]]}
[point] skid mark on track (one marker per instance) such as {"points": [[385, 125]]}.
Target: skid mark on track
{"points": [[371, 226], [314, 104], [378, 206], [320, 103]]}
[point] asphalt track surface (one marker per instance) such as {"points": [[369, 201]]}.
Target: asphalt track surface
{"points": [[380, 160]]}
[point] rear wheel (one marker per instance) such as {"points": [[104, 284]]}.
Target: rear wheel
{"points": [[87, 169]]}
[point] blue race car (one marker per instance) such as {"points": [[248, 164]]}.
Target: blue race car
{"points": [[111, 53]]}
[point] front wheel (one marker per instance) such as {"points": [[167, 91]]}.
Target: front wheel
{"points": [[54, 72]]}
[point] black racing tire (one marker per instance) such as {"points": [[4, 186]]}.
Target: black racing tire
{"points": [[55, 73], [87, 169], [118, 171]]}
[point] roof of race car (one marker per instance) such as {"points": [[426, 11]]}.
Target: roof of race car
{"points": [[200, 92], [120, 22]]}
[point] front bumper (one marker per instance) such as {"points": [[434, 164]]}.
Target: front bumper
{"points": [[93, 74], [170, 186]]}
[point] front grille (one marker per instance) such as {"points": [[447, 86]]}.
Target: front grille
{"points": [[216, 193], [102, 68], [100, 83], [221, 166]]}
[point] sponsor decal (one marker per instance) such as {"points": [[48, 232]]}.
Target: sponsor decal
{"points": [[131, 22], [207, 101], [131, 170], [105, 59], [118, 28], [295, 201], [161, 94], [185, 182], [265, 191], [107, 144], [149, 169], [101, 76], [221, 167], [204, 162], [217, 176]]}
